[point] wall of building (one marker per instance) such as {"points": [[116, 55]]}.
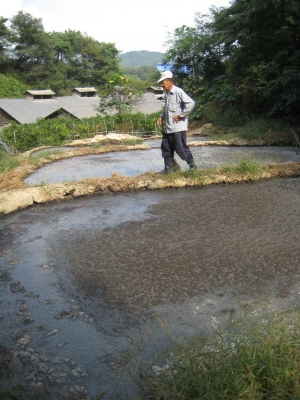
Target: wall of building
{"points": [[4, 118]]}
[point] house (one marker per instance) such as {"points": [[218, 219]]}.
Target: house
{"points": [[84, 92], [155, 90], [39, 94], [42, 104], [83, 103]]}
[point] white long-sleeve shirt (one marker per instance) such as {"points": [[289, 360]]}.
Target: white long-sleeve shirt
{"points": [[177, 102]]}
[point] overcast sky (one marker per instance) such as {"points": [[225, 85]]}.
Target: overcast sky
{"points": [[130, 24]]}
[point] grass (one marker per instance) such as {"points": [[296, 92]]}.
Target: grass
{"points": [[44, 154], [126, 142], [132, 142], [256, 131], [244, 168], [8, 162], [247, 361]]}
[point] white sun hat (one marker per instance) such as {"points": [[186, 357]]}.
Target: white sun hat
{"points": [[165, 75]]}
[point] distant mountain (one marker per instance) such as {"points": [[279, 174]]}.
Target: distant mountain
{"points": [[140, 58]]}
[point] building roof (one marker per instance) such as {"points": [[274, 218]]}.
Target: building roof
{"points": [[84, 90], [159, 88], [25, 111], [46, 92], [79, 107]]}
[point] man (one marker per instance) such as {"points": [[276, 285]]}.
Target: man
{"points": [[174, 124]]}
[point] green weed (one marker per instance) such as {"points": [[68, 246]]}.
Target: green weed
{"points": [[45, 154], [268, 130], [244, 167], [247, 361], [8, 162], [197, 175], [38, 158], [264, 129], [132, 142]]}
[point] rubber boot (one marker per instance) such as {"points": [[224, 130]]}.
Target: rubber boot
{"points": [[174, 167], [192, 164]]}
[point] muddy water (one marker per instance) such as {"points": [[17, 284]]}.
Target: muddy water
{"points": [[92, 287], [136, 162]]}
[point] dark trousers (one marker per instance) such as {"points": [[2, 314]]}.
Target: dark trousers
{"points": [[175, 142]]}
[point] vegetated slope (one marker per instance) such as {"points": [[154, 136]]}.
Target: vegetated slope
{"points": [[11, 87], [140, 58]]}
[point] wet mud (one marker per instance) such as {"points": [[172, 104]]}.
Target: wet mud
{"points": [[93, 288]]}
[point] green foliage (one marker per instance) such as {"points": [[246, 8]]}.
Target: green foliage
{"points": [[32, 51], [141, 77], [231, 123], [220, 93], [132, 142], [3, 41], [283, 94], [196, 55], [57, 60], [253, 47], [49, 132], [243, 167], [250, 360], [45, 154], [228, 116], [42, 133], [266, 77], [117, 94], [7, 162], [264, 128], [11, 87]]}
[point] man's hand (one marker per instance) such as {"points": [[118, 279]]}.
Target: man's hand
{"points": [[159, 121], [177, 118]]}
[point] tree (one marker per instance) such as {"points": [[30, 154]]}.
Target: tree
{"points": [[247, 54], [117, 95], [3, 42], [65, 45], [60, 60], [196, 55], [32, 47], [84, 59], [262, 44]]}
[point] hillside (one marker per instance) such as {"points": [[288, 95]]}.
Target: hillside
{"points": [[140, 58]]}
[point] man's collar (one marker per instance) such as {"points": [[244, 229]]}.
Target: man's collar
{"points": [[172, 89]]}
